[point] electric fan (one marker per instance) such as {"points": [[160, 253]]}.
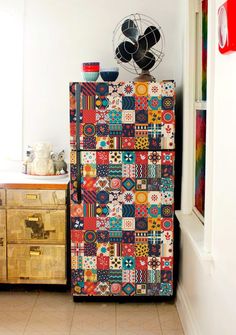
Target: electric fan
{"points": [[138, 44]]}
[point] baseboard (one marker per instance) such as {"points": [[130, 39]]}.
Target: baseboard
{"points": [[183, 305]]}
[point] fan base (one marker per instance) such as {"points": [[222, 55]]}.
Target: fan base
{"points": [[145, 76]]}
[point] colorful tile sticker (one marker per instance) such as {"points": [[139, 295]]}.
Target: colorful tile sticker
{"points": [[124, 110], [122, 232], [122, 223]]}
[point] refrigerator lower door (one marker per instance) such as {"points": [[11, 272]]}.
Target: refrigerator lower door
{"points": [[122, 223]]}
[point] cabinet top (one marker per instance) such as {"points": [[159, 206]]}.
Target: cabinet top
{"points": [[20, 181]]}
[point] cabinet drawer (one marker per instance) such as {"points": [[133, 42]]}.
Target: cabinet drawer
{"points": [[2, 245], [2, 197], [36, 262], [38, 198], [27, 225]]}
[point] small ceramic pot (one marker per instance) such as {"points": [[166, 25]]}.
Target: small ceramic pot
{"points": [[109, 74], [91, 67], [90, 76]]}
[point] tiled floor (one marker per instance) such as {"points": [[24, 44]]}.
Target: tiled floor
{"points": [[51, 313]]}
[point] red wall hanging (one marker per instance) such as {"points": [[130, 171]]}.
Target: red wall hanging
{"points": [[227, 27]]}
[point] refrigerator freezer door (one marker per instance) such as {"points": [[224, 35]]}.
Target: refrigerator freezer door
{"points": [[122, 115], [122, 225]]}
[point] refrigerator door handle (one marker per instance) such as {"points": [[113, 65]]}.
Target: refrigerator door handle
{"points": [[77, 95], [79, 187]]}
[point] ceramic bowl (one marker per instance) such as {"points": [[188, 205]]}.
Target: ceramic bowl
{"points": [[90, 76], [109, 74], [90, 67]]}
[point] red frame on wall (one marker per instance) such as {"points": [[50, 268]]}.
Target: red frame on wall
{"points": [[227, 27]]}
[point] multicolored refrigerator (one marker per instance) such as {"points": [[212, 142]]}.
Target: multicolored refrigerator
{"points": [[122, 188]]}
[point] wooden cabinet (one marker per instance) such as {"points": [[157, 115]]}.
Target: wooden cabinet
{"points": [[35, 198], [36, 263], [33, 221], [3, 245], [36, 226], [2, 197]]}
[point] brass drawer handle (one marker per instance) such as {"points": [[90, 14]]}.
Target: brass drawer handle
{"points": [[33, 218], [30, 196], [35, 251]]}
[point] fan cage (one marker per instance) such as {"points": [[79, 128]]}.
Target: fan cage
{"points": [[142, 21]]}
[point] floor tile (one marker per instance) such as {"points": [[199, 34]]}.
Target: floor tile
{"points": [[137, 319], [17, 300], [172, 332], [13, 322], [50, 300], [137, 307], [43, 322], [90, 318], [15, 310], [46, 332], [168, 316], [52, 314]]}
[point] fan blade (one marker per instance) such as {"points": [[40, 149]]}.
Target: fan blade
{"points": [[146, 62], [139, 54], [142, 43], [130, 30], [152, 35], [124, 51]]}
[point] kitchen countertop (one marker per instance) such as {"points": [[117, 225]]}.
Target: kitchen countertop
{"points": [[21, 178]]}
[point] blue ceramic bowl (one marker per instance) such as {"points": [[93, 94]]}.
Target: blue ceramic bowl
{"points": [[90, 76], [109, 74]]}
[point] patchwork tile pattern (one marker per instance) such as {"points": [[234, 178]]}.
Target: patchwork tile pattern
{"points": [[122, 231], [122, 222], [123, 115]]}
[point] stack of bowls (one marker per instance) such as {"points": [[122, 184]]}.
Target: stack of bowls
{"points": [[90, 71]]}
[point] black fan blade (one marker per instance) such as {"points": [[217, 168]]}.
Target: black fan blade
{"points": [[152, 35], [139, 54], [146, 62], [124, 51], [130, 30], [142, 43]]}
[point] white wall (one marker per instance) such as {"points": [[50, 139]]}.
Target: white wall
{"points": [[11, 79], [207, 289], [61, 34]]}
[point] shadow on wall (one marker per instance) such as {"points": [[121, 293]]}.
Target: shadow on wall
{"points": [[179, 146], [178, 177]]}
